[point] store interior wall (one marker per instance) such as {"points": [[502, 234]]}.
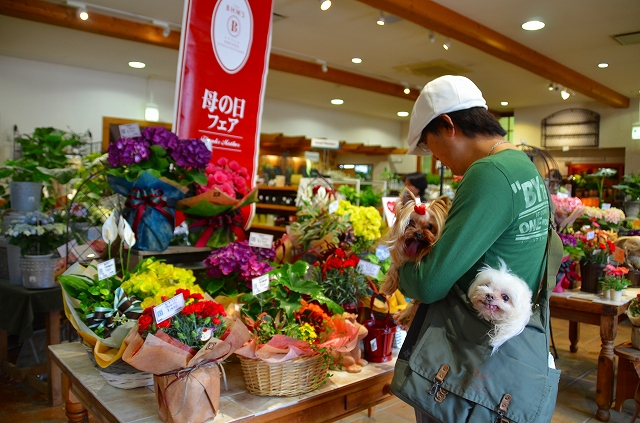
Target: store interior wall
{"points": [[35, 94]]}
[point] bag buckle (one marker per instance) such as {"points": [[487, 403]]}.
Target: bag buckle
{"points": [[502, 409], [437, 381]]}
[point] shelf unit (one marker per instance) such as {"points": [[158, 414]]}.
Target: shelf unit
{"points": [[263, 208]]}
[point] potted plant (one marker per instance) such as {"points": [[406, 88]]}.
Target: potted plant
{"points": [[592, 264], [43, 158], [614, 281], [630, 187], [38, 235], [633, 312]]}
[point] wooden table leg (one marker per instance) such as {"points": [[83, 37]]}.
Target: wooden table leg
{"points": [[4, 346], [52, 325], [574, 336], [75, 411], [606, 363]]}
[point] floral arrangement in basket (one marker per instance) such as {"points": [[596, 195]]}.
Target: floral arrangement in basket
{"points": [[184, 349], [213, 214], [302, 338], [154, 171], [633, 312]]}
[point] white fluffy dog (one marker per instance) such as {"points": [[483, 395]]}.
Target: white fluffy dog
{"points": [[503, 299]]}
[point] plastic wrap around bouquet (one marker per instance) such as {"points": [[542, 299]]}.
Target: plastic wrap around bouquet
{"points": [[186, 381], [149, 209]]}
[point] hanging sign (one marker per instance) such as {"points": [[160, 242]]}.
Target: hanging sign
{"points": [[324, 144], [222, 72]]}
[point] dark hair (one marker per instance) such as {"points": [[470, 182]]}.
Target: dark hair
{"points": [[418, 180], [472, 122]]}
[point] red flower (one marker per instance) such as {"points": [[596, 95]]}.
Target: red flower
{"points": [[165, 324], [145, 321]]}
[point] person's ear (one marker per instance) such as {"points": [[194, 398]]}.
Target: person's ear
{"points": [[449, 127]]}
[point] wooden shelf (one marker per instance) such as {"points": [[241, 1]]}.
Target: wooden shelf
{"points": [[276, 207], [260, 227], [293, 188]]}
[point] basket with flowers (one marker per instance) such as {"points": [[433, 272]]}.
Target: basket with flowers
{"points": [[182, 342], [295, 340]]}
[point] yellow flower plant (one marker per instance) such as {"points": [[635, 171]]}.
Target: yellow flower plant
{"points": [[366, 221]]}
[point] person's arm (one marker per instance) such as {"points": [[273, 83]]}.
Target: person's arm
{"points": [[482, 209]]}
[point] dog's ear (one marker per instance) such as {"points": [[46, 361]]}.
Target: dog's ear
{"points": [[407, 196]]}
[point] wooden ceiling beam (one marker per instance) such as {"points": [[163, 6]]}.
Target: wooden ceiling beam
{"points": [[65, 16], [436, 17]]}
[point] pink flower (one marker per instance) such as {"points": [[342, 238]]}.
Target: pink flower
{"points": [[233, 165], [220, 177], [222, 161]]}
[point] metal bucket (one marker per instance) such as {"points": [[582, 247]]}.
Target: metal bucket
{"points": [[25, 196], [13, 251], [37, 271]]}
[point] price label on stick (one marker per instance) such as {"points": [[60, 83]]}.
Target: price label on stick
{"points": [[260, 284], [382, 252], [169, 308], [333, 207], [260, 240], [130, 130], [369, 269], [106, 269]]}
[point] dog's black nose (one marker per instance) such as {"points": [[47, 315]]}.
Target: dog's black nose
{"points": [[418, 235], [489, 297]]}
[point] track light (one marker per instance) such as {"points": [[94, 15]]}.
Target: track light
{"points": [[447, 45], [565, 94], [166, 30], [380, 20], [550, 86], [323, 65], [432, 37], [407, 90], [81, 12], [325, 4]]}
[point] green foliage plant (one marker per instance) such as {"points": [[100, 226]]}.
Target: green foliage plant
{"points": [[630, 186]]}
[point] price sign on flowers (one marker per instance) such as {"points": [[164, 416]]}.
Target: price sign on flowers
{"points": [[260, 240], [169, 308], [260, 284], [369, 269]]}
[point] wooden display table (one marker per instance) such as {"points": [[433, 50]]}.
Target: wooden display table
{"points": [[607, 317], [342, 395], [627, 381]]}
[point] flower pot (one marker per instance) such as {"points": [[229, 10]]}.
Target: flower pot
{"points": [[634, 277], [25, 196], [631, 208], [615, 295], [37, 271], [590, 273]]}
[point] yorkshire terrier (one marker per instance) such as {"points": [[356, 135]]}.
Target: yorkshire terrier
{"points": [[503, 299], [417, 227]]}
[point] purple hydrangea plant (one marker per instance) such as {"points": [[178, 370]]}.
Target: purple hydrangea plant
{"points": [[161, 136], [240, 260], [191, 153], [127, 151]]}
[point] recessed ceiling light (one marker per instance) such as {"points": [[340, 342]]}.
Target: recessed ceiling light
{"points": [[356, 60], [407, 90], [337, 101], [603, 65], [403, 114], [325, 5], [137, 65], [504, 103], [532, 25]]}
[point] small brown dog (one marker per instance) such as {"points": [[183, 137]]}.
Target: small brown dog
{"points": [[417, 227]]}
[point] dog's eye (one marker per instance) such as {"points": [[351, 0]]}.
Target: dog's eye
{"points": [[505, 298], [411, 223], [429, 226]]}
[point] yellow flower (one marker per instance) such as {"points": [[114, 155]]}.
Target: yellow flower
{"points": [[308, 333]]}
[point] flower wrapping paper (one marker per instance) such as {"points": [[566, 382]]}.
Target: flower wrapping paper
{"points": [[149, 209], [187, 386]]}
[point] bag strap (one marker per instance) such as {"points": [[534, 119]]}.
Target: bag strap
{"points": [[542, 288]]}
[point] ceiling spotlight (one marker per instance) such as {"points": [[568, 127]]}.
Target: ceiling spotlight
{"points": [[447, 44], [550, 86], [323, 65], [380, 20], [356, 60], [407, 90], [325, 4], [82, 9], [166, 31], [337, 101], [532, 25], [403, 114], [137, 65], [565, 94], [432, 37], [504, 103], [603, 65]]}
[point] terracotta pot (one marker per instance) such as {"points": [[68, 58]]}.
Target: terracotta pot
{"points": [[590, 273]]}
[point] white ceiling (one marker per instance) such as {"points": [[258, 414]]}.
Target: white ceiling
{"points": [[578, 34]]}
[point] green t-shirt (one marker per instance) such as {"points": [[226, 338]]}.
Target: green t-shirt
{"points": [[501, 210]]}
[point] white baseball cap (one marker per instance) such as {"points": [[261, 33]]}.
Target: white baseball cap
{"points": [[445, 94]]}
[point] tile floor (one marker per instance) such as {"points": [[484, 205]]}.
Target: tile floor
{"points": [[575, 404]]}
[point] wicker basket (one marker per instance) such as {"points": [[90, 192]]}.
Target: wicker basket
{"points": [[286, 379], [120, 374]]}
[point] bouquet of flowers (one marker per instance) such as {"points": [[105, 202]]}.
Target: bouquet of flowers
{"points": [[231, 268], [36, 233], [213, 214], [366, 223], [183, 351], [597, 249], [338, 277], [567, 210]]}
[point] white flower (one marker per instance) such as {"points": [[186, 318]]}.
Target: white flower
{"points": [[126, 233], [110, 229]]}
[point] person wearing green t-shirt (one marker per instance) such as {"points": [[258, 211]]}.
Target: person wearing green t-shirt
{"points": [[500, 210]]}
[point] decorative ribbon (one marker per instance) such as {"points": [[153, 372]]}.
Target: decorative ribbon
{"points": [[567, 274], [139, 199], [213, 223], [107, 317], [126, 306]]}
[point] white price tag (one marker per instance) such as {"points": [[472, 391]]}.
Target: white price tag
{"points": [[169, 308], [63, 250], [130, 130], [382, 252], [374, 344], [106, 269], [369, 269], [605, 206], [259, 240], [333, 206], [591, 235], [260, 284]]}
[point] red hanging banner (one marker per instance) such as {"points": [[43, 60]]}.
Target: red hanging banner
{"points": [[222, 72]]}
